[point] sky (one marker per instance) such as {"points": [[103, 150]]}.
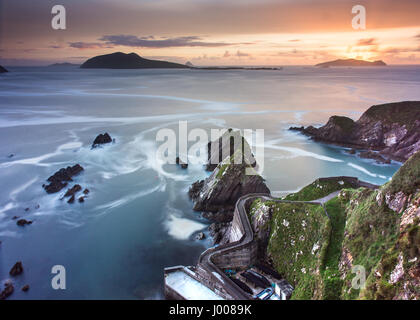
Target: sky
{"points": [[211, 32]]}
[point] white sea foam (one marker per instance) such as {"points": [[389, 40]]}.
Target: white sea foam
{"points": [[182, 228], [124, 200], [38, 161], [364, 170], [8, 233], [23, 187]]}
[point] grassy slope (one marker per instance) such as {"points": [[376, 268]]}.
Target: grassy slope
{"points": [[360, 228], [370, 230], [319, 188], [296, 229]]}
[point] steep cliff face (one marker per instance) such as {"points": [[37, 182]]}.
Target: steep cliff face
{"points": [[392, 129], [227, 183], [377, 230]]}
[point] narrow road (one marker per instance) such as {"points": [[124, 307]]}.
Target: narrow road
{"points": [[205, 259]]}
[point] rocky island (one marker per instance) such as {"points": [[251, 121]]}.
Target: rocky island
{"points": [[383, 132], [351, 63], [120, 60]]}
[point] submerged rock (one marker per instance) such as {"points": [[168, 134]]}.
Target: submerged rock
{"points": [[101, 139], [181, 163], [17, 269], [23, 222], [60, 179], [71, 200], [25, 288], [8, 290], [200, 236], [375, 156], [71, 192]]}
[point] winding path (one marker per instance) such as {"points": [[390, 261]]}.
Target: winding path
{"points": [[205, 260]]}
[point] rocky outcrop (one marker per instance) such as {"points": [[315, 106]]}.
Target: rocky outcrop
{"points": [[120, 60], [227, 183], [101, 139], [387, 131], [231, 178], [23, 222], [3, 70], [7, 291], [225, 146], [60, 179], [17, 269]]}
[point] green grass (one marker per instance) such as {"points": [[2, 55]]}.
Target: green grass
{"points": [[370, 230], [407, 178], [296, 229], [404, 113], [330, 272], [320, 188], [345, 123]]}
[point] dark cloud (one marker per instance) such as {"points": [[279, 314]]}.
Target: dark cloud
{"points": [[88, 45], [151, 42], [241, 54], [367, 42]]}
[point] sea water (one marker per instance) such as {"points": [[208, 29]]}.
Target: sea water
{"points": [[137, 218]]}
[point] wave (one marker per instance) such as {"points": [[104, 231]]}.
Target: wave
{"points": [[296, 152], [364, 170]]}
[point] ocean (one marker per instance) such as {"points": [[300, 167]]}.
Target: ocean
{"points": [[137, 218]]}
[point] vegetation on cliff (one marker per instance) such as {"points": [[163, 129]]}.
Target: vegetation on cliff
{"points": [[377, 229]]}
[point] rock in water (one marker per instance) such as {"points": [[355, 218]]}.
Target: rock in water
{"points": [[60, 179], [71, 200], [3, 70], [225, 146], [8, 290], [17, 269], [229, 181], [200, 236], [70, 192], [102, 139], [392, 129], [25, 288], [23, 222]]}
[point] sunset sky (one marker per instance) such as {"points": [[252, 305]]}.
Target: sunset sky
{"points": [[211, 32]]}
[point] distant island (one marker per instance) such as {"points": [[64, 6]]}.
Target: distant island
{"points": [[351, 63], [238, 68], [120, 60], [63, 65], [3, 70]]}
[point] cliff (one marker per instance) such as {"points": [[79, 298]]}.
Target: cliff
{"points": [[119, 60], [351, 63], [233, 175], [389, 130], [376, 229]]}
